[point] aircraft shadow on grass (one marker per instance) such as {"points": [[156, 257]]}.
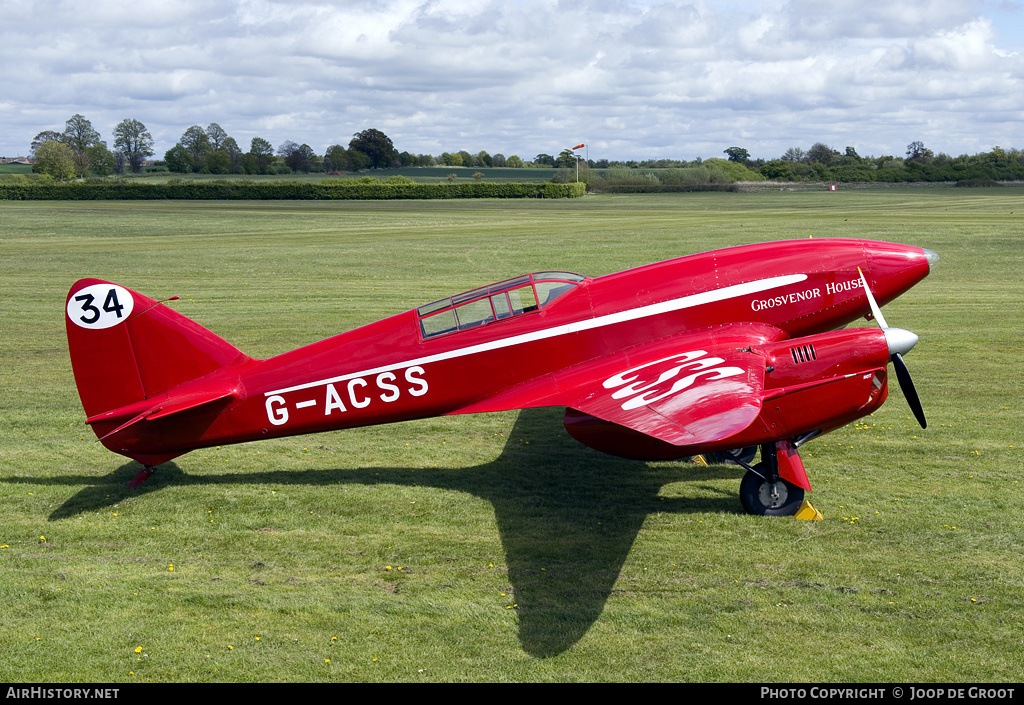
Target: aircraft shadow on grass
{"points": [[567, 516]]}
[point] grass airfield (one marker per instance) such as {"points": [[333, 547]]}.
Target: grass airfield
{"points": [[493, 547]]}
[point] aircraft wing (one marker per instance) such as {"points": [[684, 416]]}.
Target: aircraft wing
{"points": [[697, 387]]}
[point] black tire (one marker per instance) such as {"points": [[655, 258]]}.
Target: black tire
{"points": [[755, 496]]}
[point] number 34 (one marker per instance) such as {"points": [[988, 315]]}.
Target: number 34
{"points": [[100, 306]]}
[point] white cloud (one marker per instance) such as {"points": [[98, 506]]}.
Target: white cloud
{"points": [[635, 79], [966, 48]]}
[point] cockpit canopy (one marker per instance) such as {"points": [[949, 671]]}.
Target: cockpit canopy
{"points": [[496, 302]]}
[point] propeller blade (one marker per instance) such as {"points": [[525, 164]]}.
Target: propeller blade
{"points": [[876, 312], [908, 389], [899, 341]]}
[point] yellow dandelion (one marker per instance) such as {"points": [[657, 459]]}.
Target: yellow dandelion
{"points": [[138, 649]]}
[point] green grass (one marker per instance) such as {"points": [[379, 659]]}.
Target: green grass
{"points": [[493, 547]]}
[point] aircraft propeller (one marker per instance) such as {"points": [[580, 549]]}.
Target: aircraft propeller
{"points": [[900, 342]]}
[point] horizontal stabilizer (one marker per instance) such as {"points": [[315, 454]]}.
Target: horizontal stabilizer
{"points": [[163, 408]]}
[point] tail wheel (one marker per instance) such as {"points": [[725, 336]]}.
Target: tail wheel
{"points": [[764, 498]]}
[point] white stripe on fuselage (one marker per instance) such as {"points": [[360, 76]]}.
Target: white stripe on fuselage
{"points": [[707, 297]]}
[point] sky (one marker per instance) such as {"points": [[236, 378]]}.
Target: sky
{"points": [[640, 79]]}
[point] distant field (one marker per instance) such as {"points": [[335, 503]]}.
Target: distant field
{"points": [[493, 547], [15, 169], [430, 175]]}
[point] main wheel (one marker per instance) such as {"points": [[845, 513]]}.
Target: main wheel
{"points": [[763, 498]]}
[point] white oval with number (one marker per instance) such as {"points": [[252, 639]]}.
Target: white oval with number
{"points": [[100, 306]]}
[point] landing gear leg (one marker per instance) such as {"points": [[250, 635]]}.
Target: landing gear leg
{"points": [[764, 493], [142, 476]]}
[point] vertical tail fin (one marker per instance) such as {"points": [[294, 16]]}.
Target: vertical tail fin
{"points": [[127, 348]]}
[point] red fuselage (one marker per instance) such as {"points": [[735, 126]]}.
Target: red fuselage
{"points": [[403, 368]]}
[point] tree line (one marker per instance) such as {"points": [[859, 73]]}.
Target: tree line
{"points": [[212, 151], [824, 163], [79, 151]]}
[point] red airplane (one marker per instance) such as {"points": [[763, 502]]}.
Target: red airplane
{"points": [[722, 352]]}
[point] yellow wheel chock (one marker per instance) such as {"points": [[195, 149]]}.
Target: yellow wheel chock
{"points": [[806, 511]]}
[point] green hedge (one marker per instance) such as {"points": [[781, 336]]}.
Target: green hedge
{"points": [[131, 190]]}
